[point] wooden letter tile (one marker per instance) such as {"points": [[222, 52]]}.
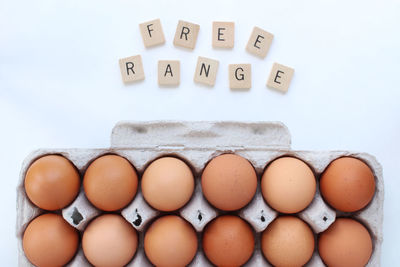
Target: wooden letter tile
{"points": [[259, 42], [152, 33], [186, 34], [206, 71], [280, 77], [131, 69], [240, 76], [169, 72], [223, 34]]}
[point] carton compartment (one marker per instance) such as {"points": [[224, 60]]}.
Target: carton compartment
{"points": [[197, 147]]}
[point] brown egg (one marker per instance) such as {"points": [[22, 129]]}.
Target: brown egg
{"points": [[52, 182], [167, 184], [50, 241], [228, 241], [288, 242], [229, 182], [347, 184], [288, 185], [170, 241], [345, 243], [109, 240], [110, 182]]}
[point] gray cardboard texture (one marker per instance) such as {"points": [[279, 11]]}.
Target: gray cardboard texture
{"points": [[197, 143]]}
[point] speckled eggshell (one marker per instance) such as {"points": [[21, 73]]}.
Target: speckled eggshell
{"points": [[170, 241], [52, 182], [167, 184], [345, 243], [288, 241], [50, 241], [288, 185], [110, 182], [229, 182], [109, 240], [228, 241], [347, 184]]}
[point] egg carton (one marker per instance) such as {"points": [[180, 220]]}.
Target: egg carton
{"points": [[197, 143]]}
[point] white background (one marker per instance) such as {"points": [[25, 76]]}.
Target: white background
{"points": [[60, 84]]}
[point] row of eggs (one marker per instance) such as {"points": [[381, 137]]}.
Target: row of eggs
{"points": [[228, 240], [229, 183]]}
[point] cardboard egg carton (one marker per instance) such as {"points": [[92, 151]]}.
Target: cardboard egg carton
{"points": [[197, 143]]}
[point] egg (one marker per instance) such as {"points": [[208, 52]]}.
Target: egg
{"points": [[345, 243], [52, 182], [109, 240], [288, 242], [288, 185], [167, 184], [229, 182], [347, 184], [228, 241], [110, 182], [50, 241], [170, 241]]}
